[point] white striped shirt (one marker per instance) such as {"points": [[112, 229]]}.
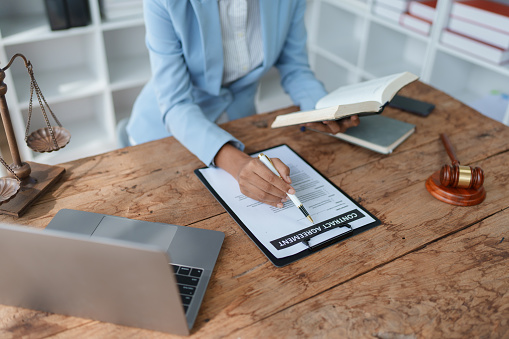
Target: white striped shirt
{"points": [[242, 37]]}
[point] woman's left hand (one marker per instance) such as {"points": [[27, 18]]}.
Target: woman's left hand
{"points": [[334, 126]]}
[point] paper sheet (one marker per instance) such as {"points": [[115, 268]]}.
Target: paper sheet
{"points": [[281, 230]]}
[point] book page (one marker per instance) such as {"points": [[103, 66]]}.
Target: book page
{"points": [[282, 230], [371, 90], [364, 98]]}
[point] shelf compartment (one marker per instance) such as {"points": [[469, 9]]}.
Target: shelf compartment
{"points": [[271, 95], [123, 101], [472, 59], [389, 51], [21, 17], [467, 81], [357, 6], [340, 32], [331, 75], [121, 14], [86, 120], [61, 73], [20, 25], [120, 23], [127, 57], [398, 27]]}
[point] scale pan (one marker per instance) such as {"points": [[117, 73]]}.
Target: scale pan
{"points": [[8, 189], [42, 141]]}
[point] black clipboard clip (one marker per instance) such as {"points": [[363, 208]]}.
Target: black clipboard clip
{"points": [[327, 242]]}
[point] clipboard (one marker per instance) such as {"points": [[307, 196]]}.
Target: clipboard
{"points": [[346, 228]]}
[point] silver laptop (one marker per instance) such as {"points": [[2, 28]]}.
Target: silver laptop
{"points": [[129, 272]]}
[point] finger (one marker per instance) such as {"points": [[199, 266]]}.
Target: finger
{"points": [[350, 122], [326, 126], [256, 179], [340, 126], [333, 126], [318, 126], [257, 193], [276, 186], [283, 170]]}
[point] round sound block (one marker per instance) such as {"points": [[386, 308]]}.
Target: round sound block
{"points": [[454, 196]]}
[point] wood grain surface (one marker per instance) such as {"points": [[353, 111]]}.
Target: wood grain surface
{"points": [[430, 270]]}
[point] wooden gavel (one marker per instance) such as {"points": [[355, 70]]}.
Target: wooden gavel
{"points": [[457, 176]]}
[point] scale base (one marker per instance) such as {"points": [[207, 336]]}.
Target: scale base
{"points": [[41, 179], [454, 196]]}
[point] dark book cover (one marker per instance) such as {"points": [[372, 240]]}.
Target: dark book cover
{"points": [[56, 10], [78, 12], [377, 133]]}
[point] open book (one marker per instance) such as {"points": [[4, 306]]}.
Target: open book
{"points": [[364, 98]]}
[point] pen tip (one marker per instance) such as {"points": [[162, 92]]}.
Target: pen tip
{"points": [[309, 217]]}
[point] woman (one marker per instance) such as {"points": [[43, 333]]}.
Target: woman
{"points": [[207, 57]]}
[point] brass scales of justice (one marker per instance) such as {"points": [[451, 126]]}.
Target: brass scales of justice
{"points": [[28, 180]]}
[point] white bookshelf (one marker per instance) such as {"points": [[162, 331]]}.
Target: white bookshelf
{"points": [[90, 76], [348, 43]]}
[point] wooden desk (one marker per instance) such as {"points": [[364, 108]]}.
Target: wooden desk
{"points": [[431, 270]]}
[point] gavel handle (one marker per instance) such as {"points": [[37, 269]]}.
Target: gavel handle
{"points": [[449, 148]]}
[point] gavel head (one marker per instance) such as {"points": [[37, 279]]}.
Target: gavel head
{"points": [[457, 176]]}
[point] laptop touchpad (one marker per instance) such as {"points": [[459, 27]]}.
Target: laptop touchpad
{"points": [[138, 231]]}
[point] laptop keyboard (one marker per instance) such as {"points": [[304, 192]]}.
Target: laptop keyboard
{"points": [[187, 280]]}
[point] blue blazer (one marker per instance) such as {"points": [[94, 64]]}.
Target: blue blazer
{"points": [[184, 96]]}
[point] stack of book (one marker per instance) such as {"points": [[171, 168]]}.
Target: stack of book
{"points": [[414, 15], [480, 28], [420, 16], [120, 9], [64, 14], [390, 9]]}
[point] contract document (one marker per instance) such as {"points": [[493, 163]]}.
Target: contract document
{"points": [[286, 232]]}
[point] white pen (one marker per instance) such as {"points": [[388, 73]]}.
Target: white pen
{"points": [[267, 162]]}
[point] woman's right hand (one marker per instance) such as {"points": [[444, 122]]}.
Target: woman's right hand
{"points": [[255, 179]]}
